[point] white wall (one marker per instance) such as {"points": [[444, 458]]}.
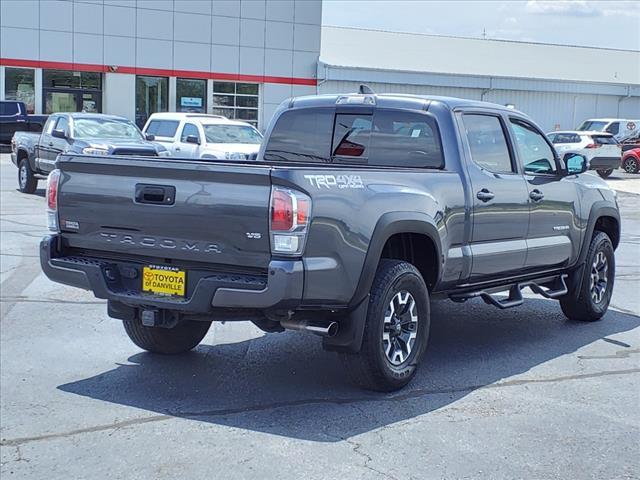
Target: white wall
{"points": [[119, 95], [548, 109]]}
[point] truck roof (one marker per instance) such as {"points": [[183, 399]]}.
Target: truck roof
{"points": [[391, 100], [91, 115]]}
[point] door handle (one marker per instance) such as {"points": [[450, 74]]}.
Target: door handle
{"points": [[536, 195], [155, 194], [485, 195], [51, 144], [177, 149]]}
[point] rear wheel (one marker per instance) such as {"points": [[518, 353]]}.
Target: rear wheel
{"points": [[595, 292], [179, 339], [27, 182], [605, 173], [630, 165], [396, 329]]}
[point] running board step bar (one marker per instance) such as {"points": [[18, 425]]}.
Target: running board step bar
{"points": [[549, 288]]}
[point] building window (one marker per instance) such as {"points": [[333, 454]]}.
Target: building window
{"points": [[152, 95], [237, 101], [191, 95], [19, 86], [69, 91]]}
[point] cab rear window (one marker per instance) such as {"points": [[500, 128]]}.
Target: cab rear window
{"points": [[392, 138]]}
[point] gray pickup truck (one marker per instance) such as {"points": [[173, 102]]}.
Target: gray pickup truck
{"points": [[360, 209], [35, 154]]}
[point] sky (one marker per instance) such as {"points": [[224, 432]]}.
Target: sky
{"points": [[607, 24]]}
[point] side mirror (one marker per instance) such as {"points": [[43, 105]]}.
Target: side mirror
{"points": [[193, 139], [149, 137], [576, 163], [58, 133]]}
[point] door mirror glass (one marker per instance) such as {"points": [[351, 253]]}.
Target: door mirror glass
{"points": [[576, 163], [149, 137], [192, 139], [58, 133]]}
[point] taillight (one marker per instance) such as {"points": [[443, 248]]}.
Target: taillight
{"points": [[290, 213], [52, 200], [592, 145]]}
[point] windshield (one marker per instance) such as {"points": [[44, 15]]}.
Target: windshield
{"points": [[593, 126], [231, 134], [105, 128]]}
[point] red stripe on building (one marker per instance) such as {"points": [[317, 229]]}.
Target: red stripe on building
{"points": [[160, 72]]}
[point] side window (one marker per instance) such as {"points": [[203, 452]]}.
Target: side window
{"points": [[9, 109], [62, 124], [189, 129], [405, 139], [537, 156], [554, 138], [487, 143], [351, 134], [162, 128], [614, 128]]}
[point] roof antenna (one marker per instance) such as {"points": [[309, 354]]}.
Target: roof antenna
{"points": [[365, 90]]}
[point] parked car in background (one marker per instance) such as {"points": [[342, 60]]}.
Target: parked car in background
{"points": [[631, 160], [208, 137], [35, 154], [618, 127], [14, 118], [601, 149]]}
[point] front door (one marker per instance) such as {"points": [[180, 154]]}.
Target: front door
{"points": [[553, 236], [500, 210], [185, 149]]}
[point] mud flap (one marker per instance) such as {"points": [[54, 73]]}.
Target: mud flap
{"points": [[349, 337]]}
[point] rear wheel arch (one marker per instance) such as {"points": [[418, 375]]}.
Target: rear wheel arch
{"points": [[394, 235]]}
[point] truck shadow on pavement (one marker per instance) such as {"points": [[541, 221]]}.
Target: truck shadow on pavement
{"points": [[284, 384]]}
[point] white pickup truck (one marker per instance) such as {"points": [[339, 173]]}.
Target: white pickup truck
{"points": [[206, 137]]}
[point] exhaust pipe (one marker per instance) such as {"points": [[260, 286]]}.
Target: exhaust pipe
{"points": [[322, 328]]}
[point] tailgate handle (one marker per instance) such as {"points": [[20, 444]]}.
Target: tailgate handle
{"points": [[155, 194]]}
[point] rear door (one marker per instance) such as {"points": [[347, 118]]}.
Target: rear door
{"points": [[553, 234], [500, 209], [45, 157]]}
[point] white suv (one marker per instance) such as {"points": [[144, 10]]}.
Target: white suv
{"points": [[601, 149], [208, 137]]}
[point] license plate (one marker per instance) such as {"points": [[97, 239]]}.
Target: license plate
{"points": [[164, 280]]}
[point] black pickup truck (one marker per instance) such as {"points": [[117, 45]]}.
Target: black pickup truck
{"points": [[14, 118], [359, 210], [35, 154]]}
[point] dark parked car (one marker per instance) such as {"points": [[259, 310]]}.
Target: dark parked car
{"points": [[14, 118], [82, 133], [359, 210]]}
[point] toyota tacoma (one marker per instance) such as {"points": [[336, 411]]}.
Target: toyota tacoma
{"points": [[359, 211]]}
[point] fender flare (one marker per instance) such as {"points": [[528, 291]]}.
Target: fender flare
{"points": [[349, 338], [599, 209], [30, 158]]}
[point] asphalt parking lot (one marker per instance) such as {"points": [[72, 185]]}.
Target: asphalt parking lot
{"points": [[520, 393]]}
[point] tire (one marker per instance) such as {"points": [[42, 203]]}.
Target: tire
{"points": [[27, 182], [605, 173], [591, 302], [169, 341], [375, 366], [630, 165]]}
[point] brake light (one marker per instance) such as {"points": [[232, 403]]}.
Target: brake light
{"points": [[592, 145], [290, 213], [52, 200]]}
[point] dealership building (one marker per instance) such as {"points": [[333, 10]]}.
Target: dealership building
{"points": [[241, 58]]}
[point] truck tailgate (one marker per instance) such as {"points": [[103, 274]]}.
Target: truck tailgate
{"points": [[209, 212]]}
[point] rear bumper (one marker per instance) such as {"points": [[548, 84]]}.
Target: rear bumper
{"points": [[605, 163], [281, 289]]}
